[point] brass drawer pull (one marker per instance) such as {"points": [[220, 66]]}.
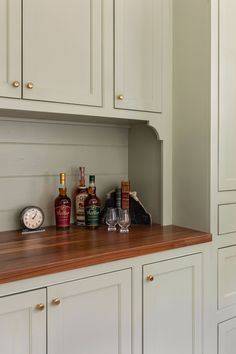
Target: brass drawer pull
{"points": [[56, 301], [40, 307], [150, 278]]}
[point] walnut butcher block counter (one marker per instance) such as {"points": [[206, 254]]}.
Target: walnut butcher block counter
{"points": [[26, 256]]}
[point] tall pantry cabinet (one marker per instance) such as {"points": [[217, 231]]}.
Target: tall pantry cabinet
{"points": [[204, 56]]}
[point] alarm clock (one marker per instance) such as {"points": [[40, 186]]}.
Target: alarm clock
{"points": [[32, 218]]}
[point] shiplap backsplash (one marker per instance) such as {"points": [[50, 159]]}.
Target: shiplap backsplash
{"points": [[33, 153]]}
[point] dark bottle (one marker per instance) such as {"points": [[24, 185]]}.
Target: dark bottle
{"points": [[62, 206], [81, 195], [92, 206]]}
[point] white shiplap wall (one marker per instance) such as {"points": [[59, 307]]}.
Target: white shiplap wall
{"points": [[33, 153]]}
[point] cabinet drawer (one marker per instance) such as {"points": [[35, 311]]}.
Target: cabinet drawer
{"points": [[226, 276], [227, 218]]}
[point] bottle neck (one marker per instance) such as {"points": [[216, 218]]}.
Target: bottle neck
{"points": [[92, 190], [82, 183], [62, 191]]}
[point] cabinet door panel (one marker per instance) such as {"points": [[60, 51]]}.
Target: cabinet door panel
{"points": [[22, 326], [10, 47], [226, 277], [227, 94], [138, 54], [227, 337], [62, 50], [94, 316], [172, 307]]}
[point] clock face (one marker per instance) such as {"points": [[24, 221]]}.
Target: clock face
{"points": [[32, 217]]}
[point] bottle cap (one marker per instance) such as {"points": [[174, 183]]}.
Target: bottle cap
{"points": [[62, 179], [91, 179]]}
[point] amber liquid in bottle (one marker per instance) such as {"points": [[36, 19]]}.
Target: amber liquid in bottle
{"points": [[92, 206], [81, 195], [62, 206]]}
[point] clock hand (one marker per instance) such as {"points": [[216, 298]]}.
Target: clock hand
{"points": [[35, 215]]}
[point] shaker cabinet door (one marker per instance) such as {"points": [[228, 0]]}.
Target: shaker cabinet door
{"points": [[10, 48], [62, 51], [227, 95], [138, 54], [172, 306], [23, 323], [227, 337], [91, 315]]}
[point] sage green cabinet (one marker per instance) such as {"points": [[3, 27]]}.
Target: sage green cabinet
{"points": [[10, 48], [138, 54], [62, 51]]}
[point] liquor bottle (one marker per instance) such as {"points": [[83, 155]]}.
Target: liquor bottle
{"points": [[81, 195], [92, 206], [62, 205]]}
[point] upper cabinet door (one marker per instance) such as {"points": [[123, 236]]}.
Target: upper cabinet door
{"points": [[138, 54], [62, 51], [227, 95], [10, 48]]}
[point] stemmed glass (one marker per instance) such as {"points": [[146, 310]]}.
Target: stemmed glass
{"points": [[111, 219], [124, 220]]}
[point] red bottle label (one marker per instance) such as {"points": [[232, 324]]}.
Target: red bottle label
{"points": [[63, 215]]}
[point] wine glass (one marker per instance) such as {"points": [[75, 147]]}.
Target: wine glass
{"points": [[111, 219], [124, 220]]}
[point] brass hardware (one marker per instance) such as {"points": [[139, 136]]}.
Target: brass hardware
{"points": [[15, 84], [56, 301], [40, 307], [120, 97], [150, 278], [30, 85]]}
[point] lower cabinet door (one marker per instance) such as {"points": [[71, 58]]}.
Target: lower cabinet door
{"points": [[23, 323], [91, 315], [227, 337], [172, 307]]}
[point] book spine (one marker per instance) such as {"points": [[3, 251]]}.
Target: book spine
{"points": [[125, 188]]}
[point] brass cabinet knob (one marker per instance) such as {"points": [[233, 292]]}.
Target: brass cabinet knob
{"points": [[16, 84], [120, 97], [40, 307], [30, 85], [150, 278], [56, 301]]}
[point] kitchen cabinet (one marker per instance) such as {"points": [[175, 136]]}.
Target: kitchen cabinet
{"points": [[91, 315], [10, 48], [226, 277], [23, 323], [172, 306], [138, 54], [62, 51], [227, 88], [98, 57], [227, 337]]}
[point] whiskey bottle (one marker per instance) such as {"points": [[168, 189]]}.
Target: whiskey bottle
{"points": [[92, 206], [62, 206], [81, 195]]}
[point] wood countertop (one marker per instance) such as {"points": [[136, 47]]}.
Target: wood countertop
{"points": [[26, 256]]}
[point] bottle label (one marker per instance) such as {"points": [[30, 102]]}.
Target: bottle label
{"points": [[92, 215], [63, 215], [79, 205]]}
